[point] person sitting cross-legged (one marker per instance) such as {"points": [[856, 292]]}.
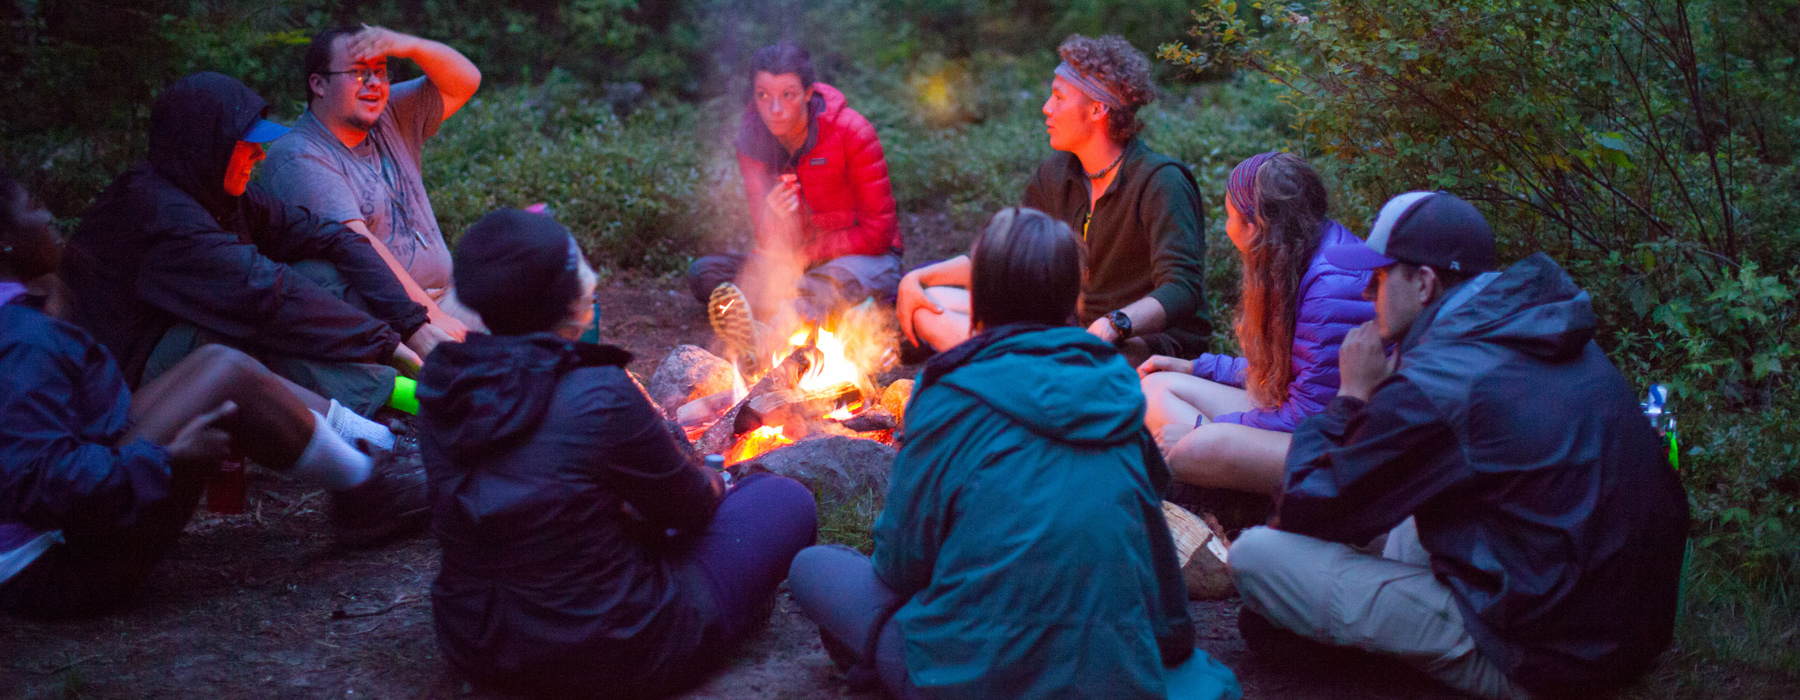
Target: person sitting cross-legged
{"points": [[356, 156], [183, 250], [587, 551], [1223, 421], [97, 482], [1022, 551], [1535, 529], [821, 206], [1137, 211]]}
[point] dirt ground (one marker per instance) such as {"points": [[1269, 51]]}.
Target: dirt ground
{"points": [[261, 605]]}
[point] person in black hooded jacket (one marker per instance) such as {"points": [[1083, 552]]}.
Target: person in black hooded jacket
{"points": [[179, 251], [585, 552], [97, 482], [1535, 528]]}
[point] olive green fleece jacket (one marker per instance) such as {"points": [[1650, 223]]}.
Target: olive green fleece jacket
{"points": [[1147, 236]]}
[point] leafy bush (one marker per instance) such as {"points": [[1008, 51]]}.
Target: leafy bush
{"points": [[1648, 145], [639, 192]]}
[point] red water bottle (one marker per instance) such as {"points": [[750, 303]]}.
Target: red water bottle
{"points": [[225, 490]]}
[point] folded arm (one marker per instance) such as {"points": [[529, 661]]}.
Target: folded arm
{"points": [[212, 279]]}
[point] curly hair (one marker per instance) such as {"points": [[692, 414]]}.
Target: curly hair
{"points": [[1122, 67], [1291, 205]]}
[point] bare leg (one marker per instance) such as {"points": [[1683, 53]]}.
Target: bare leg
{"points": [[946, 330], [1231, 456], [1162, 407], [272, 425], [1176, 401]]}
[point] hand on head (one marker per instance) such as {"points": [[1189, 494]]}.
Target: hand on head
{"points": [[375, 43]]}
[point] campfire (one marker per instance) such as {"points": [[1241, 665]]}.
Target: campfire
{"points": [[821, 381]]}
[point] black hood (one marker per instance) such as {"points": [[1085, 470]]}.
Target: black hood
{"points": [[1532, 307], [491, 390], [194, 126]]}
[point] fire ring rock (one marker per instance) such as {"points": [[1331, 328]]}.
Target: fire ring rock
{"points": [[836, 467], [688, 373]]}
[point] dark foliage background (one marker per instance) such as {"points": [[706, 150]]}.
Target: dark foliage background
{"points": [[1649, 145]]}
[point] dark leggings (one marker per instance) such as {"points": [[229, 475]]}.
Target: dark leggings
{"points": [[100, 569], [837, 588], [762, 523]]}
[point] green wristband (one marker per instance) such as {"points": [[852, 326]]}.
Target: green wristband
{"points": [[405, 396]]}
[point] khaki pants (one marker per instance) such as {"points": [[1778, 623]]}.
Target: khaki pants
{"points": [[1390, 604]]}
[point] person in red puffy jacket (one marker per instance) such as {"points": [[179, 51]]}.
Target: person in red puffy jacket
{"points": [[816, 181]]}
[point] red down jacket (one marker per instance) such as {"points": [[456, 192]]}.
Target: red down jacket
{"points": [[846, 200]]}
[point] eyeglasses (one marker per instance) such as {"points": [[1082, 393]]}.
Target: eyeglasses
{"points": [[362, 74]]}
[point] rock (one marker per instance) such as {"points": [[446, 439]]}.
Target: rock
{"points": [[688, 373], [834, 467], [1202, 549], [895, 396]]}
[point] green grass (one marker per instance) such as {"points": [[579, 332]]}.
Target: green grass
{"points": [[849, 521]]}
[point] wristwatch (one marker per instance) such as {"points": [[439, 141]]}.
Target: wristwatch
{"points": [[1121, 324]]}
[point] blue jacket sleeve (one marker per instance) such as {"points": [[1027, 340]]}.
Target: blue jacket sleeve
{"points": [[50, 474], [1223, 369], [1358, 469]]}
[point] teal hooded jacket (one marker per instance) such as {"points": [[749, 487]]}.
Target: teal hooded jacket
{"points": [[1024, 529]]}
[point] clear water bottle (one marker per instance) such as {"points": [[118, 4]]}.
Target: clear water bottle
{"points": [[1662, 418]]}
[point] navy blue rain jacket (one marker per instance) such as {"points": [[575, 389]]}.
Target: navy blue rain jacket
{"points": [[1540, 491], [534, 446], [63, 409], [165, 243]]}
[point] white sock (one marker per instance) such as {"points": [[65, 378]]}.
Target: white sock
{"points": [[330, 461], [354, 427]]}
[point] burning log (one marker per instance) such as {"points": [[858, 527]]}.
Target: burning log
{"points": [[697, 415], [895, 397], [794, 408], [1201, 548], [784, 376], [873, 420]]}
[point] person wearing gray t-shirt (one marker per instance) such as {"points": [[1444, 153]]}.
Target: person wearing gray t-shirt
{"points": [[355, 156]]}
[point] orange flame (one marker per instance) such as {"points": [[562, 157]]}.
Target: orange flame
{"points": [[756, 443]]}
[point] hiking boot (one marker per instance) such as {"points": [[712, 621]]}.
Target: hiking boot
{"points": [[729, 313], [394, 501]]}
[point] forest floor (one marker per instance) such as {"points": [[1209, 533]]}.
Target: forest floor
{"points": [[261, 605]]}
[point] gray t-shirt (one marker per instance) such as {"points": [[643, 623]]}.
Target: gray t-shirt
{"points": [[378, 181]]}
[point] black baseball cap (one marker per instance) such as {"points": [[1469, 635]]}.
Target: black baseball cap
{"points": [[1434, 229]]}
